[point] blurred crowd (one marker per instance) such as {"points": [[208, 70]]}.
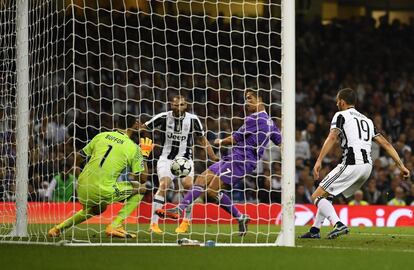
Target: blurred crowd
{"points": [[375, 59], [134, 63]]}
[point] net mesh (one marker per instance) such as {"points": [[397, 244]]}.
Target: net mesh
{"points": [[7, 106], [90, 63]]}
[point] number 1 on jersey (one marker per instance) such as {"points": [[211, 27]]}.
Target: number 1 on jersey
{"points": [[106, 155]]}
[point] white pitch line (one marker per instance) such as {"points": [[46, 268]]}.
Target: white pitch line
{"points": [[385, 234], [360, 249]]}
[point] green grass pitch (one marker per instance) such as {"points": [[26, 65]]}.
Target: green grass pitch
{"points": [[363, 248]]}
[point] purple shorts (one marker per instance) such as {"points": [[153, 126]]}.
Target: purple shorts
{"points": [[232, 171]]}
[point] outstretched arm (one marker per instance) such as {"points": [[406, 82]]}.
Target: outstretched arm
{"points": [[226, 141], [393, 154], [205, 143], [140, 126], [326, 148], [146, 147], [139, 165]]}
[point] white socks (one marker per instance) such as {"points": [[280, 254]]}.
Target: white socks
{"points": [[327, 210], [157, 203], [319, 219]]}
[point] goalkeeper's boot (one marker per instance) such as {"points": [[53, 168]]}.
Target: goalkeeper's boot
{"points": [[243, 221], [339, 229], [183, 227], [173, 213], [54, 232], [314, 233], [118, 232], [154, 228]]}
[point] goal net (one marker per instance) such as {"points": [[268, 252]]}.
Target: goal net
{"points": [[86, 64]]}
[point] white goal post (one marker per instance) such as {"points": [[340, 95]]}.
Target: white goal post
{"points": [[71, 69], [287, 234], [22, 117]]}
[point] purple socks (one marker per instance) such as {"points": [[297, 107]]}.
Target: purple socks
{"points": [[191, 196], [225, 203]]}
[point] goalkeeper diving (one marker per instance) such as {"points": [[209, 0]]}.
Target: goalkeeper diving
{"points": [[108, 154]]}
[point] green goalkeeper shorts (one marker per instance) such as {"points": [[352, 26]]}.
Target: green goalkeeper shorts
{"points": [[92, 196]]}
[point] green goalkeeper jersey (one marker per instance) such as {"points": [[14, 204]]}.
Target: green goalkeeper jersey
{"points": [[109, 153]]}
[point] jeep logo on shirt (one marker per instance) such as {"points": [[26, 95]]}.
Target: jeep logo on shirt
{"points": [[176, 137]]}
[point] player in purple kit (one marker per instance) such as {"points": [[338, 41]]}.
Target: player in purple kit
{"points": [[249, 143]]}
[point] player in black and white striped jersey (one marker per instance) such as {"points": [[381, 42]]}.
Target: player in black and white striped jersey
{"points": [[179, 130], [356, 133]]}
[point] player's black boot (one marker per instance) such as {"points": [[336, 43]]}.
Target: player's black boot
{"points": [[243, 221], [312, 234], [339, 229]]}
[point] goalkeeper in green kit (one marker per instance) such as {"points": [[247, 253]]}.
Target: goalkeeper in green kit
{"points": [[108, 155]]}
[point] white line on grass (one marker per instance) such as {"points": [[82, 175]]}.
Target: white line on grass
{"points": [[360, 249], [385, 234]]}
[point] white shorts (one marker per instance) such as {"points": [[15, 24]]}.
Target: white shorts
{"points": [[163, 168], [346, 179]]}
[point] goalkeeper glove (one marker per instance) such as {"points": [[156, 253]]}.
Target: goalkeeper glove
{"points": [[146, 146]]}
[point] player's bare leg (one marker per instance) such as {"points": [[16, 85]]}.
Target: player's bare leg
{"points": [[158, 203], [187, 184], [327, 210]]}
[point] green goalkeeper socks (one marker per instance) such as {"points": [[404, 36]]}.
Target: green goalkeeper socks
{"points": [[77, 218], [130, 205]]}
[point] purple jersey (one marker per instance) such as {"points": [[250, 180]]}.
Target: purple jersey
{"points": [[250, 140], [253, 136]]}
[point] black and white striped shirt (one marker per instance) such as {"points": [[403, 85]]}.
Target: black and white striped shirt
{"points": [[356, 135], [177, 133]]}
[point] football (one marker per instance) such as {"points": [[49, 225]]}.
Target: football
{"points": [[180, 167]]}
